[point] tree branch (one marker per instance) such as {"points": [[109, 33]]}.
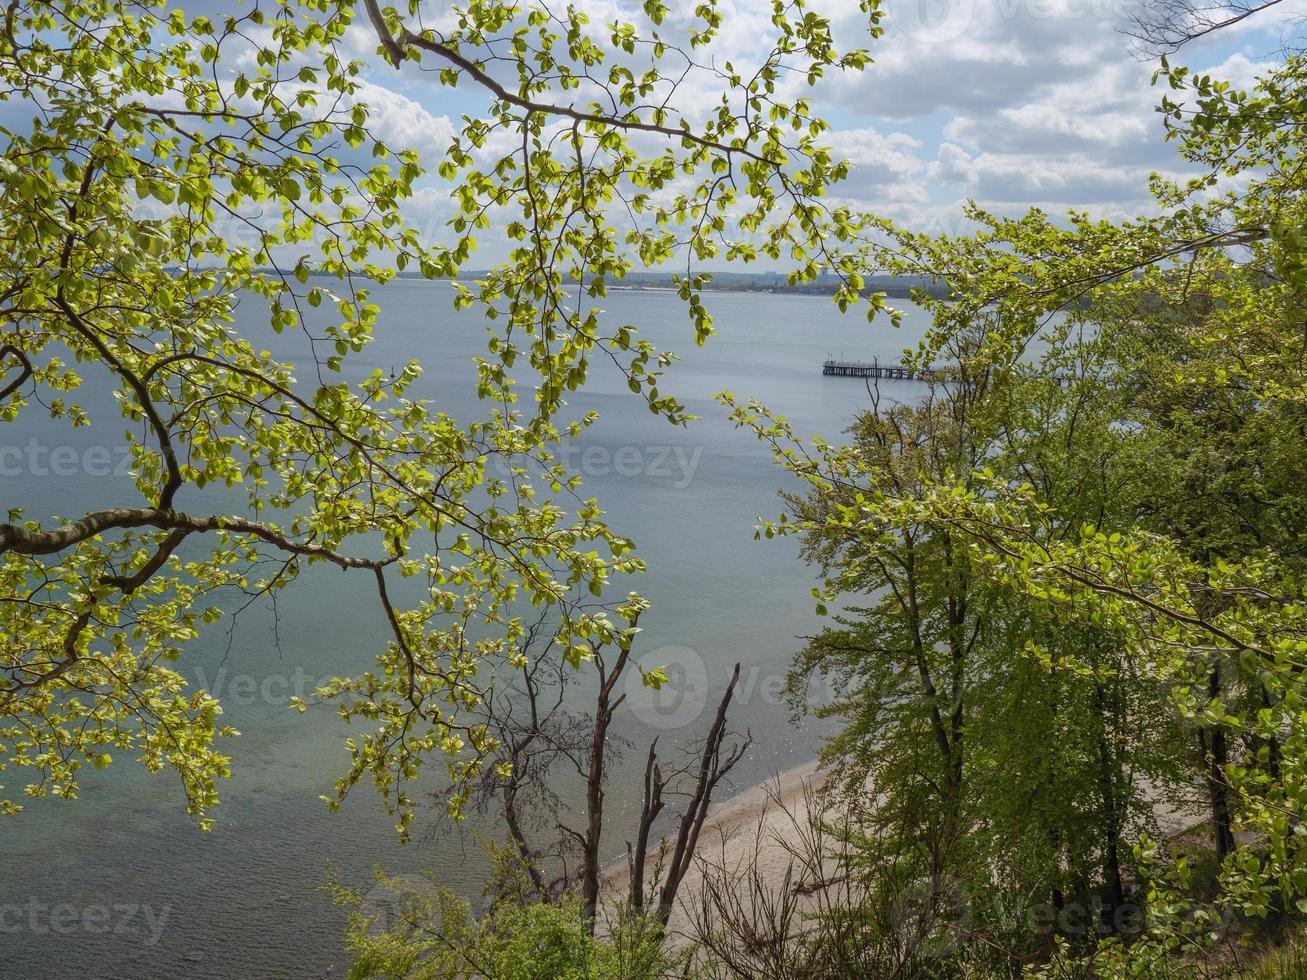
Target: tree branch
{"points": [[396, 47], [9, 350]]}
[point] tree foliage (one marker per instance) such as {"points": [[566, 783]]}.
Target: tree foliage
{"points": [[155, 135], [1124, 486], [414, 929]]}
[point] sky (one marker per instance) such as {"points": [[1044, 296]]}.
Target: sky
{"points": [[1013, 103]]}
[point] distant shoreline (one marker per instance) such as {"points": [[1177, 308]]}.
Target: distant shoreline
{"points": [[770, 283], [735, 282]]}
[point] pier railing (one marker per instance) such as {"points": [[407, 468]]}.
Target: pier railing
{"points": [[874, 369]]}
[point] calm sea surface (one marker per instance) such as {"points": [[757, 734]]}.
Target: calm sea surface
{"points": [[120, 884]]}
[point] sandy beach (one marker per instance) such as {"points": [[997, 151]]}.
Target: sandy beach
{"points": [[753, 828], [747, 828]]}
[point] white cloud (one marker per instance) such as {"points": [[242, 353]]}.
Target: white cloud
{"points": [[876, 160], [952, 165], [401, 122], [1013, 103]]}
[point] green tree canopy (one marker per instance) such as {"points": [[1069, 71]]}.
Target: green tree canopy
{"points": [[153, 134], [1120, 451]]}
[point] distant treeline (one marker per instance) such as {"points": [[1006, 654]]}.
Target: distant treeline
{"points": [[775, 282], [899, 287]]}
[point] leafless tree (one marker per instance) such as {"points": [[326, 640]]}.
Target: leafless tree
{"points": [[549, 731], [714, 763], [536, 729], [1165, 26]]}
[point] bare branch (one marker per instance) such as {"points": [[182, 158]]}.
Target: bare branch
{"points": [[1165, 26]]}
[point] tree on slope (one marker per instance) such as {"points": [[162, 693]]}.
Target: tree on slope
{"points": [[1178, 337]]}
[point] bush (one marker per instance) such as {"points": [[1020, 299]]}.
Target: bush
{"points": [[415, 929]]}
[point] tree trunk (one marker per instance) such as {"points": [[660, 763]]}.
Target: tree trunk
{"points": [[605, 705], [1112, 808], [1216, 755]]}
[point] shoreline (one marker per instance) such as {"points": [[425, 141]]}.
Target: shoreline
{"points": [[743, 829]]}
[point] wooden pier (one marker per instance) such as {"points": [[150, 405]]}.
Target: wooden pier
{"points": [[874, 369]]}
